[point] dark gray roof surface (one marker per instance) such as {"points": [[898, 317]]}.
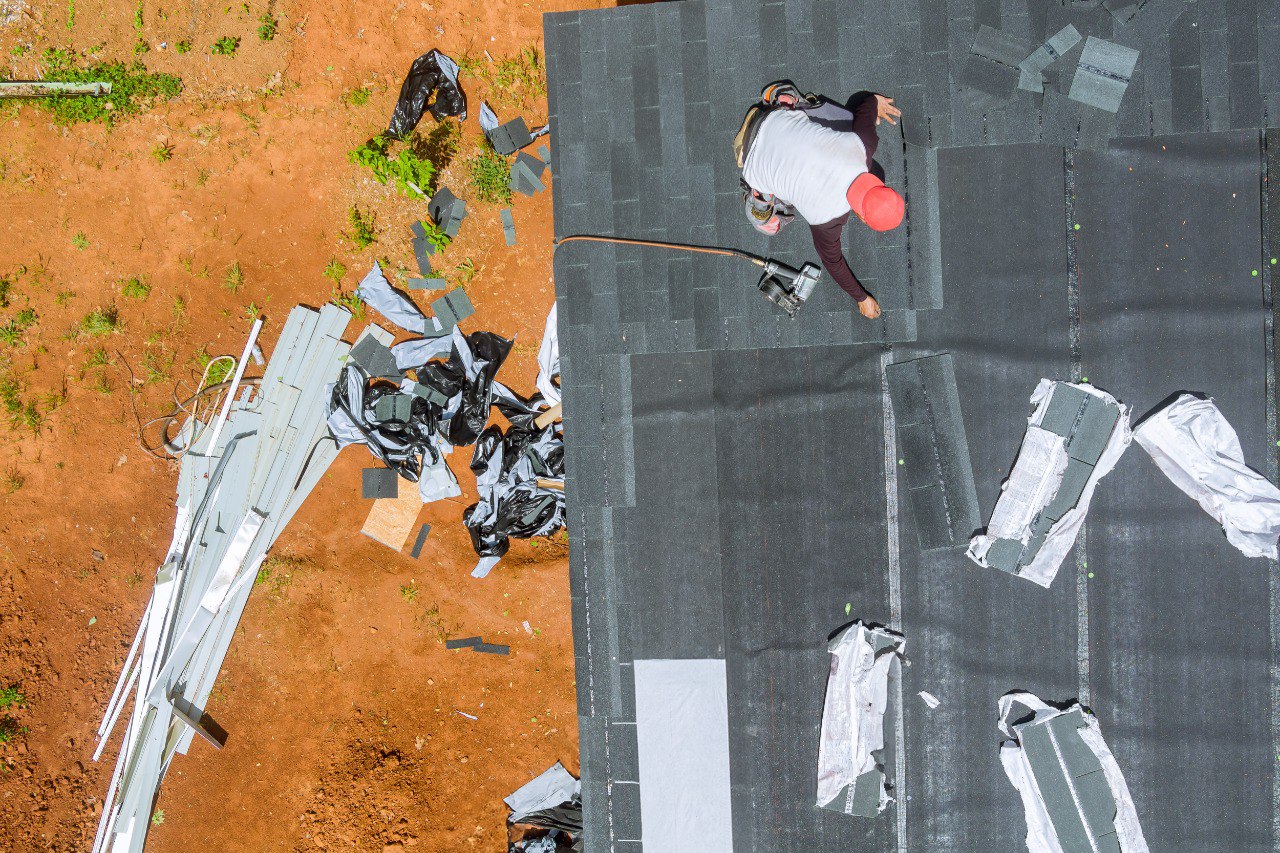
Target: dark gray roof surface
{"points": [[732, 485]]}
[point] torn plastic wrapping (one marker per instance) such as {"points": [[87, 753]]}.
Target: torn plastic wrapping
{"points": [[549, 360], [852, 738], [552, 800], [507, 469], [1042, 837], [401, 445], [1034, 481], [1197, 448], [374, 290], [433, 73]]}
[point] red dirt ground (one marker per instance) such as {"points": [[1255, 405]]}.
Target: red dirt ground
{"points": [[338, 694]]}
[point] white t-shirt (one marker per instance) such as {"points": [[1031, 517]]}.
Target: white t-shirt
{"points": [[805, 164]]}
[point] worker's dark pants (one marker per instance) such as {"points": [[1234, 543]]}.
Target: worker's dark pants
{"points": [[857, 117], [826, 239]]}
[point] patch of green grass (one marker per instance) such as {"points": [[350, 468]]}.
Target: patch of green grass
{"points": [[103, 321], [435, 235], [9, 730], [267, 26], [80, 241], [6, 287], [252, 312], [363, 230], [349, 301], [71, 13], [158, 817], [409, 172], [179, 308], [470, 65], [136, 288], [156, 364], [335, 270], [357, 97], [521, 77], [98, 357], [137, 18], [234, 279], [63, 297], [10, 696], [140, 47], [490, 176], [222, 366], [465, 271], [14, 331], [409, 592], [183, 46], [133, 89], [225, 46], [276, 574], [12, 481], [162, 153], [202, 177]]}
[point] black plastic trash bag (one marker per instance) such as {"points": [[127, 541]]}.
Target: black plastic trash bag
{"points": [[511, 502], [433, 73]]}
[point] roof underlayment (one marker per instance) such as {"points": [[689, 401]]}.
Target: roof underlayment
{"points": [[734, 487]]}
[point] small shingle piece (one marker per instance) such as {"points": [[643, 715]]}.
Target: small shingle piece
{"points": [[393, 407], [544, 152], [423, 249], [452, 308], [420, 541], [510, 137], [464, 643], [508, 226], [379, 483], [526, 173], [447, 210], [376, 359], [1004, 555], [1032, 68], [1103, 74], [428, 284], [493, 649]]}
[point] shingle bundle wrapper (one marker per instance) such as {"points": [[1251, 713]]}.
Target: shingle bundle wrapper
{"points": [[850, 753], [507, 469], [552, 800], [549, 360], [240, 482], [1075, 436], [1073, 793], [433, 73], [1196, 448]]}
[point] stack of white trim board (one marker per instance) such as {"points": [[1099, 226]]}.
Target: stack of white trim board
{"points": [[243, 476]]}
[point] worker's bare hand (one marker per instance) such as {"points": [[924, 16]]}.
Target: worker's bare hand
{"points": [[869, 308], [886, 110]]}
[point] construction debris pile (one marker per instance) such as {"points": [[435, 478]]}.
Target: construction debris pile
{"points": [[245, 471], [551, 801], [413, 403]]}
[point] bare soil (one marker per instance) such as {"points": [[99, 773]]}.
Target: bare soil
{"points": [[339, 697]]}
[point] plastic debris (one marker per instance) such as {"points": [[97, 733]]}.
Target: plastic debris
{"points": [[1073, 793], [1197, 449], [1075, 436], [433, 73], [851, 776], [929, 699], [552, 800]]}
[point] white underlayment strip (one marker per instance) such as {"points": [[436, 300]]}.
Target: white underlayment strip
{"points": [[682, 732], [895, 596]]}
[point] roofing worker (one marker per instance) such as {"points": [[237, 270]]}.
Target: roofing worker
{"points": [[800, 154]]}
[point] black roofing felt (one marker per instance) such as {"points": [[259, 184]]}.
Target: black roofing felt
{"points": [[730, 482]]}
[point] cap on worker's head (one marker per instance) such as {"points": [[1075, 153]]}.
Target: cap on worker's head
{"points": [[877, 205]]}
